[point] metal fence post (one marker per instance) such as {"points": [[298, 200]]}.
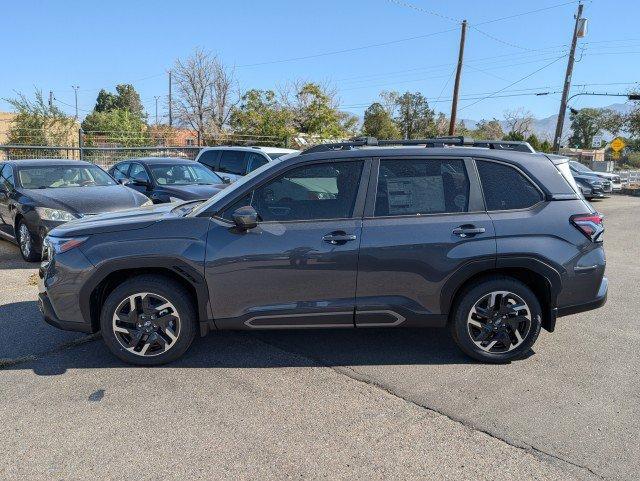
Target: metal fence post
{"points": [[81, 143]]}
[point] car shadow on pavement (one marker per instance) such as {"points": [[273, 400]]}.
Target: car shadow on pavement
{"points": [[10, 257], [54, 352]]}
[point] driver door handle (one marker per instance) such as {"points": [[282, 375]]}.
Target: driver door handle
{"points": [[336, 238], [468, 230]]}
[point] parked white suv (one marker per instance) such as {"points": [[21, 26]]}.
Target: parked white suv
{"points": [[231, 163]]}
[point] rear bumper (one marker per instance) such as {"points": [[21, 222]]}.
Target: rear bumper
{"points": [[595, 303]]}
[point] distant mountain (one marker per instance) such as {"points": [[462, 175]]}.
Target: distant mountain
{"points": [[545, 128]]}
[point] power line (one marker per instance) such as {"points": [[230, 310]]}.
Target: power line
{"points": [[509, 17], [347, 50], [513, 83]]}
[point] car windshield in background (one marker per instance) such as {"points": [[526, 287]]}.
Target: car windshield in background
{"points": [[63, 176], [579, 167], [184, 175]]}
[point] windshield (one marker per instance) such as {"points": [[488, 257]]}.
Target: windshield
{"points": [[232, 188], [579, 167], [63, 176], [183, 175]]}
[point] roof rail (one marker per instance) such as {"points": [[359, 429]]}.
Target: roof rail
{"points": [[429, 143]]}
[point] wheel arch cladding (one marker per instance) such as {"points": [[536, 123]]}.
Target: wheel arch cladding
{"points": [[108, 279], [543, 288]]}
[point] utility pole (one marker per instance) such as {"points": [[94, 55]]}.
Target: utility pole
{"points": [[170, 104], [50, 99], [456, 87], [156, 97], [567, 82], [75, 90]]}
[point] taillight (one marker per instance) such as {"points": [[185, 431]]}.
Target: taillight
{"points": [[591, 225]]}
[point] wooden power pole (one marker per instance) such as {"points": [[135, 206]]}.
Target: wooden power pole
{"points": [[456, 87], [567, 82]]}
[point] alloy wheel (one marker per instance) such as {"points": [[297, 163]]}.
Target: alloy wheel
{"points": [[499, 322], [24, 238], [146, 324]]}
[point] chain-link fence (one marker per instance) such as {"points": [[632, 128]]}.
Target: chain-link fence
{"points": [[104, 148]]}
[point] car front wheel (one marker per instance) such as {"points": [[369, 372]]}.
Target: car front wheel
{"points": [[29, 248], [496, 320], [148, 321]]}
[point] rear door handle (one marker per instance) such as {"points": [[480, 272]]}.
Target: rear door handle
{"points": [[468, 230], [337, 238]]}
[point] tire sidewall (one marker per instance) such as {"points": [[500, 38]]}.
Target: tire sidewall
{"points": [[35, 254], [168, 289], [471, 296]]}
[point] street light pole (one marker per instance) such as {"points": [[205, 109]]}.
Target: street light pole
{"points": [[156, 97], [567, 82], [75, 91]]}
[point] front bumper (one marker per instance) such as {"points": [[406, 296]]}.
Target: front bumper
{"points": [[49, 315], [598, 301]]}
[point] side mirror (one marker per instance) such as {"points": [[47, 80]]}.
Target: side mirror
{"points": [[124, 181], [140, 182], [245, 217], [226, 180]]}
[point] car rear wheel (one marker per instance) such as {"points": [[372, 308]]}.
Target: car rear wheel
{"points": [[148, 321], [496, 320], [29, 248]]}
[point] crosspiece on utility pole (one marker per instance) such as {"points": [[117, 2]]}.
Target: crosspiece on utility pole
{"points": [[456, 86], [577, 29]]}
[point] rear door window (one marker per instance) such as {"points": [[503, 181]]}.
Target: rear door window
{"points": [[233, 162], [210, 158], [254, 161], [120, 171], [505, 188], [422, 186]]}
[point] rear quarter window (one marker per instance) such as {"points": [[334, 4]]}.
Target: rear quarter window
{"points": [[505, 188]]}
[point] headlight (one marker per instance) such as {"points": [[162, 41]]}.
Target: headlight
{"points": [[595, 182], [46, 213], [57, 245], [147, 203]]}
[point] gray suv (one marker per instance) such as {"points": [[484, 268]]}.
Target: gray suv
{"points": [[493, 244]]}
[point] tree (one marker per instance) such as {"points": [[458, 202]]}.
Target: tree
{"points": [[259, 114], [413, 117], [126, 98], [489, 130], [545, 146], [38, 123], [204, 92], [534, 142], [516, 136], [118, 126], [378, 123], [315, 110], [519, 123], [585, 124]]}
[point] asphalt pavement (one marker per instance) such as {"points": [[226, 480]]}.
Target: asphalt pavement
{"points": [[361, 404]]}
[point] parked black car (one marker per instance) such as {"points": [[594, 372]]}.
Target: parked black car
{"points": [[585, 188], [38, 195], [599, 188], [494, 244], [168, 179]]}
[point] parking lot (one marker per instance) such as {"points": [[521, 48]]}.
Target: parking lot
{"points": [[367, 404]]}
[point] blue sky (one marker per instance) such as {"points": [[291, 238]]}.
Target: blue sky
{"points": [[53, 45]]}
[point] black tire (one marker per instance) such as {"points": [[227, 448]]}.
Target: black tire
{"points": [[32, 251], [155, 285], [461, 313]]}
